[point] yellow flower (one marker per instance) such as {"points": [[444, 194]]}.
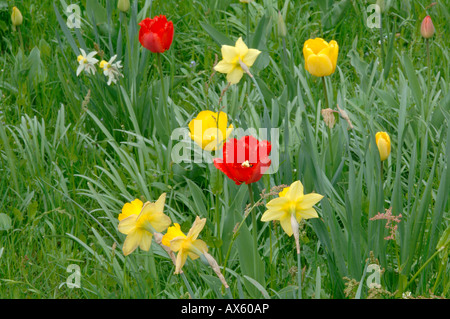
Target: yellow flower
{"points": [[139, 228], [132, 208], [291, 204], [236, 60], [209, 130], [186, 245], [16, 17], [384, 145], [320, 56]]}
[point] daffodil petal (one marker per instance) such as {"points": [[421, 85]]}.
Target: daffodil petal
{"points": [[235, 76], [277, 203], [273, 215], [229, 54], [286, 224], [132, 242], [176, 243], [295, 191], [181, 260], [309, 200], [127, 224], [224, 67], [146, 241], [250, 57], [241, 47], [196, 228], [306, 214]]}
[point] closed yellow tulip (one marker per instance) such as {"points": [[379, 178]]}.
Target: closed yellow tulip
{"points": [[16, 17], [320, 56], [209, 130], [384, 145]]}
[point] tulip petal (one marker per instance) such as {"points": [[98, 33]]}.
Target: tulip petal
{"points": [[319, 65]]}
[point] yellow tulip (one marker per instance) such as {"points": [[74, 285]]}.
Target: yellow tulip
{"points": [[139, 228], [320, 56], [16, 17], [291, 203], [384, 145], [186, 245], [209, 130], [236, 60]]}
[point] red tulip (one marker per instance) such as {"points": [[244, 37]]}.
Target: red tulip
{"points": [[427, 28], [244, 160], [156, 34]]}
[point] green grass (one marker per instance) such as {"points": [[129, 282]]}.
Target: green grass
{"points": [[73, 150]]}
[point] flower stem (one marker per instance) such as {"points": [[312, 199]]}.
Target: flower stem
{"points": [[166, 109], [330, 145], [299, 276], [20, 39], [254, 228]]}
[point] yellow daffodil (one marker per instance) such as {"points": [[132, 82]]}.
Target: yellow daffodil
{"points": [[320, 56], [384, 145], [209, 130], [139, 228], [16, 17], [236, 60], [291, 204], [186, 245]]}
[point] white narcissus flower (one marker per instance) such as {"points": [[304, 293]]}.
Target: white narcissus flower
{"points": [[111, 70], [87, 62]]}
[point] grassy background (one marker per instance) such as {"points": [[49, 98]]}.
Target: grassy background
{"points": [[73, 150]]}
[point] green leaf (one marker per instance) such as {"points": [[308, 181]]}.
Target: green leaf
{"points": [[216, 35], [5, 222]]}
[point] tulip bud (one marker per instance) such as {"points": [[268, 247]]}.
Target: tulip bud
{"points": [[427, 28], [123, 5], [281, 26], [384, 145], [16, 17]]}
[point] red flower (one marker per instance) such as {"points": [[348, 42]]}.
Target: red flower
{"points": [[156, 34], [244, 160]]}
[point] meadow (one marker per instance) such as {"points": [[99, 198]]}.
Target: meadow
{"points": [[108, 191]]}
